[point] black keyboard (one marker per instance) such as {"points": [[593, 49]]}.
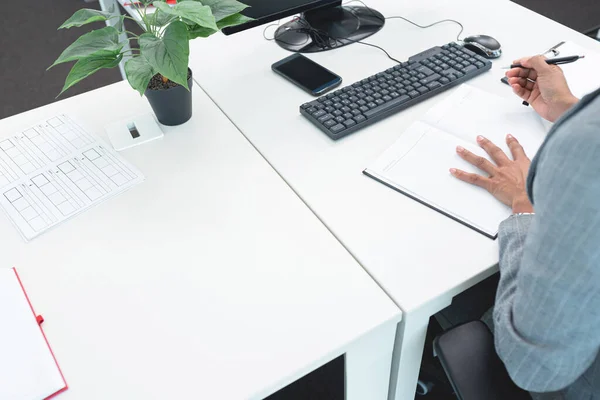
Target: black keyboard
{"points": [[425, 75]]}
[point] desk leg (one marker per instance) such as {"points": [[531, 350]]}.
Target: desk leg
{"points": [[408, 352], [368, 365]]}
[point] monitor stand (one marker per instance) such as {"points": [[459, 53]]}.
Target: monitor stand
{"points": [[328, 28]]}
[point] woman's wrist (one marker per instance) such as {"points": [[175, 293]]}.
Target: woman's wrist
{"points": [[522, 205]]}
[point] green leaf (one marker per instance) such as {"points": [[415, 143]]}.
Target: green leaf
{"points": [[102, 43], [222, 9], [139, 72], [197, 31], [170, 54], [161, 19], [233, 20], [83, 17], [120, 24], [87, 66], [190, 11]]}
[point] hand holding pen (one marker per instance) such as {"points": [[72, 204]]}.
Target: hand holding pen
{"points": [[552, 61], [543, 85]]}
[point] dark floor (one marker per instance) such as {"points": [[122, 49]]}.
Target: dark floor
{"points": [[29, 43]]}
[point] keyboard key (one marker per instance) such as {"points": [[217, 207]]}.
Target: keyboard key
{"points": [[364, 109], [361, 102], [371, 105], [337, 113], [469, 52], [329, 109], [379, 102], [311, 110], [319, 113], [479, 64], [413, 94], [389, 105], [444, 81], [410, 88], [422, 90], [425, 71], [347, 115], [386, 98], [324, 118], [321, 99], [353, 99], [356, 112], [338, 105], [394, 95], [349, 122], [369, 99], [337, 128], [433, 85], [305, 106], [329, 123], [345, 109], [430, 78], [469, 69], [359, 119]]}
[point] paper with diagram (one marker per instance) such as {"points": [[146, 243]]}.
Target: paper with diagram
{"points": [[55, 170]]}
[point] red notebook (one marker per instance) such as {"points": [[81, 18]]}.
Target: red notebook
{"points": [[28, 368]]}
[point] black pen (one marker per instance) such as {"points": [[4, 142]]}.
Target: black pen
{"points": [[552, 61]]}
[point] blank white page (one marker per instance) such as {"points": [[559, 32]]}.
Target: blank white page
{"points": [[470, 111], [418, 164], [582, 75], [28, 370]]}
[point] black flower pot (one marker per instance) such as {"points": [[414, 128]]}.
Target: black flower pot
{"points": [[172, 106]]}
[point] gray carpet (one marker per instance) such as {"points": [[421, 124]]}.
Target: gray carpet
{"points": [[29, 43]]}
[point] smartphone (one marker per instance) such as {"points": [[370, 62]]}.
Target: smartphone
{"points": [[307, 74]]}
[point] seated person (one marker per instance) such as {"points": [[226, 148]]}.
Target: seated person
{"points": [[546, 319]]}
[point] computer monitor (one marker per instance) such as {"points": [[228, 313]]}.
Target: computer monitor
{"points": [[322, 25]]}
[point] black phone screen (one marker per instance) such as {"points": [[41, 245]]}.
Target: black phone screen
{"points": [[306, 73]]}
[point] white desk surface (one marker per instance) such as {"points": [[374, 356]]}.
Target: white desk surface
{"points": [[416, 254], [209, 280]]}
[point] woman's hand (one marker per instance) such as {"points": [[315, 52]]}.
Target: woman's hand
{"points": [[543, 86], [506, 180]]}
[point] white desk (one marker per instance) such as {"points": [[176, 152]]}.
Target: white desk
{"points": [[421, 258], [210, 280]]}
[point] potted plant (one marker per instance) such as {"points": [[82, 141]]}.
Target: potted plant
{"points": [[158, 67]]}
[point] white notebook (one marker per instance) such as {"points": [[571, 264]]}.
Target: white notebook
{"points": [[28, 369], [418, 164], [582, 75]]}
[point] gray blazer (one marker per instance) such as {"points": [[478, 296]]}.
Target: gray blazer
{"points": [[547, 312]]}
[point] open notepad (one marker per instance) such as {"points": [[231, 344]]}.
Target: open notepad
{"points": [[418, 163], [28, 369]]}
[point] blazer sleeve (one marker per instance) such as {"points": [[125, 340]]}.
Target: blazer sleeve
{"points": [[547, 313]]}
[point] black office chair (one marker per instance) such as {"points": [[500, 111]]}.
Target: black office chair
{"points": [[475, 371]]}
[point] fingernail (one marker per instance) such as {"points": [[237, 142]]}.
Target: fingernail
{"points": [[460, 149], [453, 171], [480, 138], [509, 136]]}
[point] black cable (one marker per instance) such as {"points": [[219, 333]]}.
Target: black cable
{"points": [[324, 40], [462, 28]]}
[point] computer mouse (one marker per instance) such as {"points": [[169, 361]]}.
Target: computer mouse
{"points": [[483, 45]]}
